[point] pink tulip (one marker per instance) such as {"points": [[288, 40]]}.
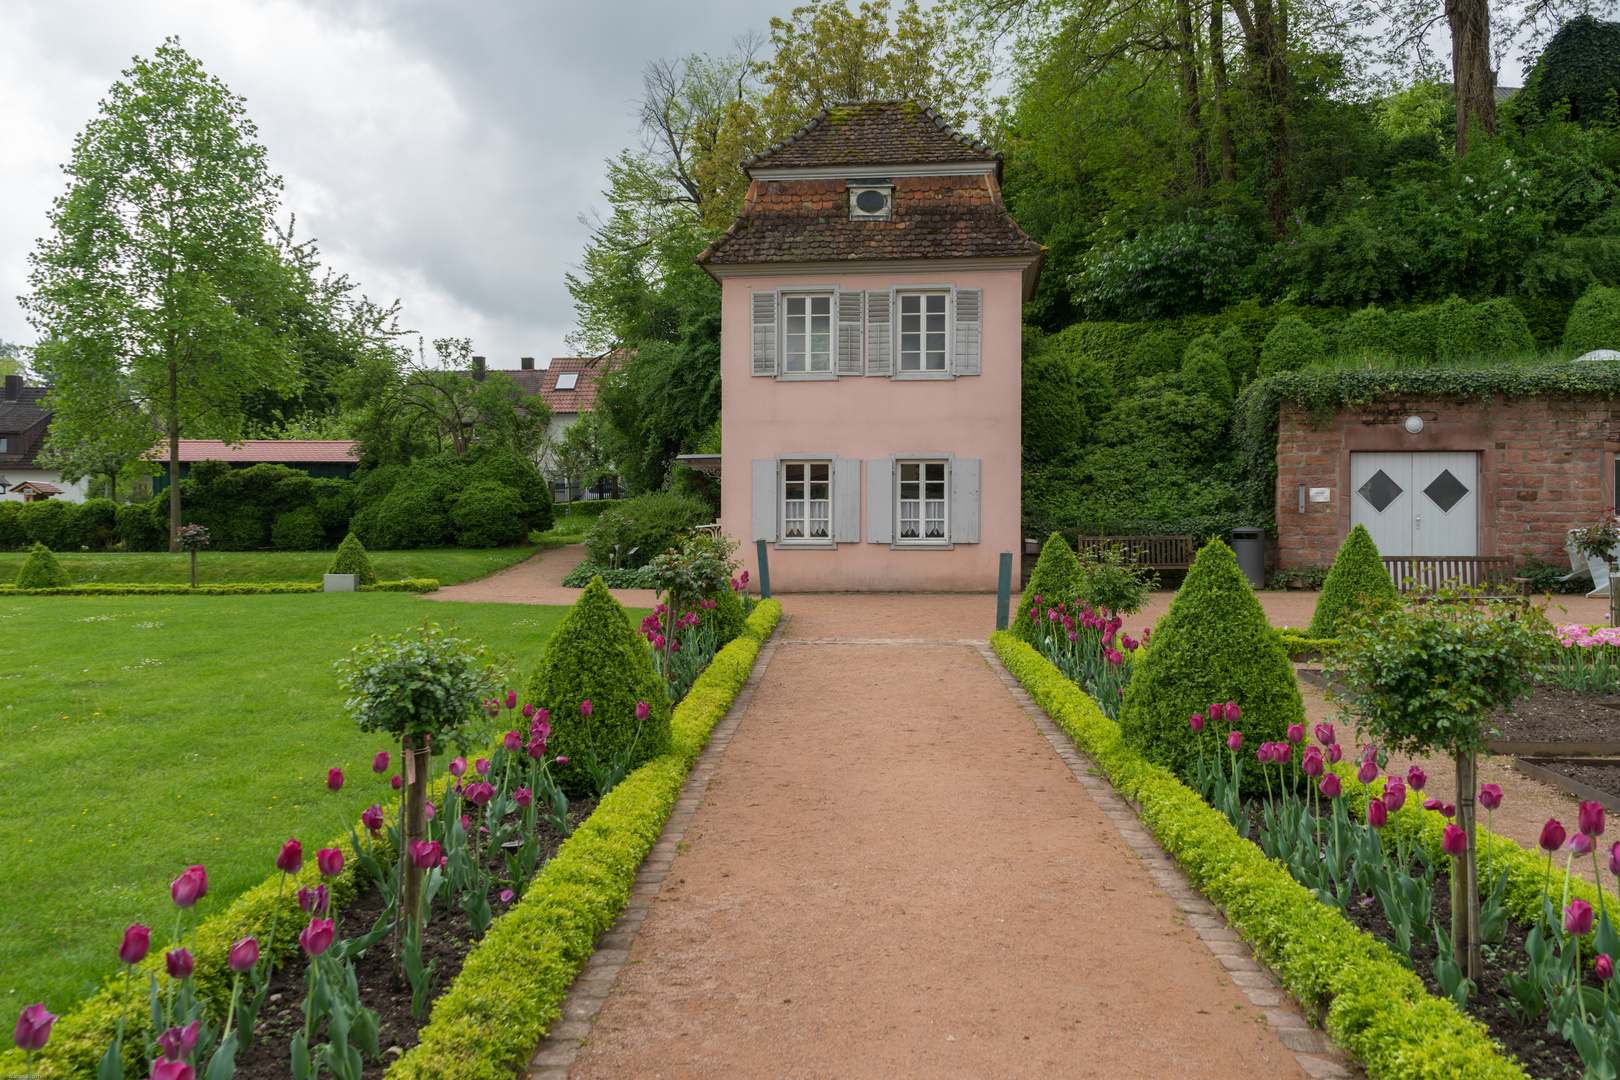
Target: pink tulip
{"points": [[334, 779], [330, 860], [1552, 836], [243, 955], [1490, 796], [528, 712], [1281, 752], [33, 1028], [1310, 762], [314, 901], [1614, 858], [291, 857], [480, 793], [1296, 733], [1604, 967], [506, 896], [1394, 794], [1196, 723], [202, 879], [642, 711], [426, 854], [512, 741], [1233, 713], [372, 818], [562, 760], [1234, 740], [523, 797], [180, 963], [172, 1070], [394, 782], [1578, 918], [137, 943], [1368, 772], [379, 764], [1416, 778], [1335, 753], [427, 809], [186, 889], [1324, 734], [458, 767], [585, 707], [1591, 818], [1330, 785], [466, 823], [511, 699], [1262, 753], [1453, 841], [177, 1043], [1580, 844], [481, 766], [317, 936], [1377, 813]]}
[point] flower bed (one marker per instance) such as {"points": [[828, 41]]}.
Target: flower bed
{"points": [[1376, 1008], [414, 585]]}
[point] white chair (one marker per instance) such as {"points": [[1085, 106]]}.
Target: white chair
{"points": [[1597, 567]]}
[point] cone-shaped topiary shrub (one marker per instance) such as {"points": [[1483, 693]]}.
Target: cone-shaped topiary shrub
{"points": [[41, 571], [1214, 644], [1056, 579], [1357, 572], [351, 558], [726, 617], [595, 655]]}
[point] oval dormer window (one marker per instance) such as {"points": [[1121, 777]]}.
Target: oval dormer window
{"points": [[871, 201]]}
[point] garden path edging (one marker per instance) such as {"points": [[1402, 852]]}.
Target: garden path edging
{"points": [[555, 1055], [1317, 1054]]}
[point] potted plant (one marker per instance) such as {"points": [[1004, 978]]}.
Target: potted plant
{"points": [[1598, 543]]}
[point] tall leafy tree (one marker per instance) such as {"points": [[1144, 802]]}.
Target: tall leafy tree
{"points": [[160, 282]]}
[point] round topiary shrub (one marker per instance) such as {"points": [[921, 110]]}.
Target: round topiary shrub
{"points": [[411, 517], [631, 533], [489, 514], [1154, 354], [1594, 321], [1417, 333], [1494, 328], [41, 571], [1291, 345], [139, 530], [1214, 644], [1240, 354], [1056, 579], [1358, 575], [595, 655], [1372, 330], [1203, 370], [516, 472], [351, 558], [51, 522], [297, 530]]}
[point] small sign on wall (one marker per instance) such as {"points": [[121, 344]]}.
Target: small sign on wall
{"points": [[1321, 495]]}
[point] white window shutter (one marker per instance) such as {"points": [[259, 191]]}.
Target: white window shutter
{"points": [[849, 331], [965, 501], [764, 499], [764, 304], [877, 331], [969, 331], [879, 499], [847, 501]]}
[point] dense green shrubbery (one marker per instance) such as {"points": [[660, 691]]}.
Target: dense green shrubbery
{"points": [[1358, 574], [1292, 345], [1214, 644], [41, 571], [614, 577], [633, 531], [489, 514], [1594, 322], [726, 617], [1493, 328], [1204, 371], [1370, 330], [596, 655], [417, 506], [351, 558]]}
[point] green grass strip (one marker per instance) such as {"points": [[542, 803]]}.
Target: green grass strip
{"points": [[1377, 1009], [512, 987], [246, 588]]}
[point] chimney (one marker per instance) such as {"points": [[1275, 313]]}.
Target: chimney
{"points": [[13, 387], [478, 369], [528, 363]]}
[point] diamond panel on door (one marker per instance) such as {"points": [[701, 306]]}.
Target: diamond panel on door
{"points": [[1445, 491], [1380, 490]]}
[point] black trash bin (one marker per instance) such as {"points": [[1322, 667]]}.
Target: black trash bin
{"points": [[1249, 545]]}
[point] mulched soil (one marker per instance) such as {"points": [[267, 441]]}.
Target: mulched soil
{"points": [[1554, 715], [1604, 777], [447, 938]]}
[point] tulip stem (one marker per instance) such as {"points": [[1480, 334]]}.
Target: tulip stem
{"points": [[230, 1014], [1597, 876], [270, 943]]}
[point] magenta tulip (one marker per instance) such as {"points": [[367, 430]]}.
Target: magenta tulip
{"points": [[512, 741], [1377, 813], [177, 1043], [511, 699], [330, 860], [291, 857], [334, 779], [427, 809], [172, 1070], [372, 818], [480, 793], [1552, 836], [642, 711], [243, 955], [523, 797], [426, 854], [1324, 734], [1233, 713], [536, 748], [1281, 752], [1262, 753], [1330, 785], [186, 889], [1296, 733], [585, 707], [1196, 723], [528, 712], [1368, 772], [1416, 778], [562, 760], [1580, 844], [202, 879], [1234, 740], [458, 767], [33, 1028], [1453, 841], [394, 782], [506, 896], [379, 764], [1490, 796], [481, 766], [1614, 858], [466, 823], [180, 963], [1591, 818], [317, 936], [1335, 753], [314, 901], [1578, 918], [1310, 762], [137, 942], [1394, 794], [1604, 967]]}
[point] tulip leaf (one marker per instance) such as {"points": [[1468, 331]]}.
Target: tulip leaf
{"points": [[112, 1062], [223, 1064]]}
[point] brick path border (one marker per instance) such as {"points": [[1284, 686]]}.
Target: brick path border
{"points": [[557, 1051], [1316, 1053]]}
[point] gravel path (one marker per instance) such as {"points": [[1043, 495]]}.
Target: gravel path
{"points": [[892, 874], [537, 581]]}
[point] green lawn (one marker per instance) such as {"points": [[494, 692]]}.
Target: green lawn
{"points": [[447, 565], [145, 734]]}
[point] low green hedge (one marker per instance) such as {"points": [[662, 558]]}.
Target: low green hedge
{"points": [[412, 585], [511, 989], [1294, 641], [613, 577], [1377, 1009]]}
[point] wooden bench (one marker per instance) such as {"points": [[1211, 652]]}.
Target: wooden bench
{"points": [[1156, 552], [1492, 573]]}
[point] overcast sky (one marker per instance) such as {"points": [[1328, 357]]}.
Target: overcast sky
{"points": [[440, 152]]}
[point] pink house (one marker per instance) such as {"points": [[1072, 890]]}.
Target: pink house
{"points": [[871, 294]]}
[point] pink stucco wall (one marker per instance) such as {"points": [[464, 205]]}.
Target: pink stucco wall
{"points": [[873, 417]]}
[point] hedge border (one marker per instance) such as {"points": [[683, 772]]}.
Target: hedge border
{"points": [[245, 588], [1377, 1009], [512, 986]]}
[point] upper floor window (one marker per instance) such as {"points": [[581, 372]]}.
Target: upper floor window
{"points": [[807, 333], [922, 331], [922, 501], [806, 500]]}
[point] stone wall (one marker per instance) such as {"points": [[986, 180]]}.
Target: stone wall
{"points": [[1545, 467]]}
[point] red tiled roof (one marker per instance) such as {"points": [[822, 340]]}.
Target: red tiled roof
{"points": [[873, 133], [582, 398], [255, 451], [38, 487]]}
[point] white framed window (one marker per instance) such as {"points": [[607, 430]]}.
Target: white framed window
{"points": [[923, 331], [807, 501], [922, 502], [807, 333]]}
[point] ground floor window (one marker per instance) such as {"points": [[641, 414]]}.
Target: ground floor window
{"points": [[922, 501], [806, 500]]}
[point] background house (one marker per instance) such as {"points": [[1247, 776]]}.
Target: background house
{"points": [[332, 458], [568, 386], [24, 422]]}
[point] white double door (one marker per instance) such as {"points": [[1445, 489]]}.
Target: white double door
{"points": [[1417, 503]]}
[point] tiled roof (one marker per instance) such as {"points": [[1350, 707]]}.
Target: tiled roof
{"points": [[23, 422], [873, 133], [38, 487], [934, 217], [255, 451], [582, 398]]}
